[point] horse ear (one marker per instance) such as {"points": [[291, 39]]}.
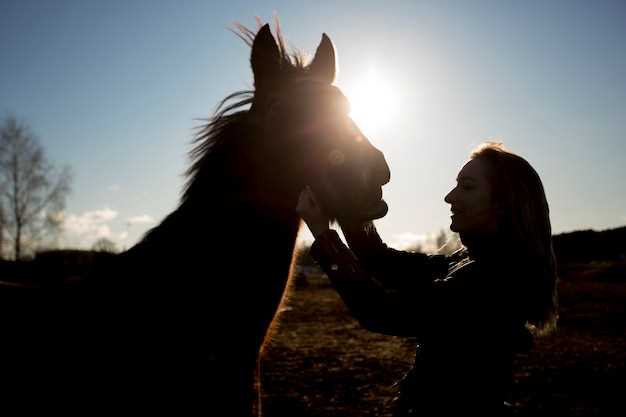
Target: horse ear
{"points": [[265, 56], [323, 65]]}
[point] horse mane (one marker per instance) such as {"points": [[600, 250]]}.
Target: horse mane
{"points": [[211, 139], [229, 122]]}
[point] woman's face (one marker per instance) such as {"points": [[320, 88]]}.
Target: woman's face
{"points": [[471, 202]]}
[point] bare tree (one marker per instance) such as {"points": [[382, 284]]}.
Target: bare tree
{"points": [[1, 231], [104, 245], [32, 191]]}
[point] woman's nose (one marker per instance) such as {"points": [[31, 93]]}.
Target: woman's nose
{"points": [[449, 197]]}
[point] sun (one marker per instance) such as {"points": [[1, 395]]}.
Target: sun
{"points": [[372, 103]]}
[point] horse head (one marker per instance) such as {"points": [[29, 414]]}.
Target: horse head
{"points": [[309, 137]]}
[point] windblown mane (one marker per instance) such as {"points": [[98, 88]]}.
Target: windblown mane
{"points": [[220, 132], [227, 124]]}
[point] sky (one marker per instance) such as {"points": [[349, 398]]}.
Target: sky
{"points": [[115, 90]]}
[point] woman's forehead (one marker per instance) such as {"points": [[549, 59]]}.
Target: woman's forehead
{"points": [[474, 169]]}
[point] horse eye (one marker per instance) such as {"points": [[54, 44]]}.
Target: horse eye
{"points": [[336, 158]]}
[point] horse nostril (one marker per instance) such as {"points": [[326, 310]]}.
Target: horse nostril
{"points": [[386, 175], [383, 171], [378, 174]]}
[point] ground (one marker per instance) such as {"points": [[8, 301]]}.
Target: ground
{"points": [[321, 363]]}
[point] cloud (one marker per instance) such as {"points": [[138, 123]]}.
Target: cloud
{"points": [[143, 219], [406, 240], [83, 229], [89, 221], [114, 188]]}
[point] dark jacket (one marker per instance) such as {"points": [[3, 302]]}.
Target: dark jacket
{"points": [[462, 311]]}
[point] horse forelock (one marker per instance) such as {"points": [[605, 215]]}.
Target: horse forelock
{"points": [[215, 137], [291, 61]]}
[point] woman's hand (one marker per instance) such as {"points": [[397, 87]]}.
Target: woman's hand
{"points": [[311, 212]]}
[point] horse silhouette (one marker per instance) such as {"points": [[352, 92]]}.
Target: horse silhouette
{"points": [[178, 321]]}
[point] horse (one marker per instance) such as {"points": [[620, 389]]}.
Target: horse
{"points": [[178, 321]]}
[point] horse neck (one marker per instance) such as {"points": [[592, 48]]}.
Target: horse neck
{"points": [[259, 211]]}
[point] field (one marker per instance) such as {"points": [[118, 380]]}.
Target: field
{"points": [[321, 363]]}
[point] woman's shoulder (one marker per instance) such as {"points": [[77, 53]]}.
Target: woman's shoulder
{"points": [[458, 255], [464, 271], [460, 263], [496, 265]]}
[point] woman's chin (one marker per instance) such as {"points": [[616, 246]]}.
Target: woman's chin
{"points": [[454, 224]]}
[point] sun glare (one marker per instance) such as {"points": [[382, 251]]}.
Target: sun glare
{"points": [[371, 102]]}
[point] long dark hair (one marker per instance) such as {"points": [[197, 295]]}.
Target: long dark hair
{"points": [[525, 225]]}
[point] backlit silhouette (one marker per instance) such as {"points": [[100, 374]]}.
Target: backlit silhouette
{"points": [[181, 317]]}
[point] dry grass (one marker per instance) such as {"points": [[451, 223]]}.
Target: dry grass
{"points": [[321, 363]]}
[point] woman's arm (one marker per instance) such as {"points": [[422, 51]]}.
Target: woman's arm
{"points": [[378, 307], [395, 268], [383, 286]]}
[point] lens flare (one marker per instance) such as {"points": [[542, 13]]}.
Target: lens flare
{"points": [[372, 103]]}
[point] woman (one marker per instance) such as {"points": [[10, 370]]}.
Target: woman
{"points": [[469, 312]]}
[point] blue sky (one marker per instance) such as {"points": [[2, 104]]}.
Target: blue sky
{"points": [[114, 89]]}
